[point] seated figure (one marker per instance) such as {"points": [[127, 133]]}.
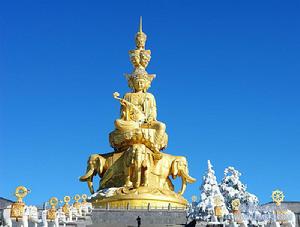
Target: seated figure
{"points": [[138, 108], [138, 123]]}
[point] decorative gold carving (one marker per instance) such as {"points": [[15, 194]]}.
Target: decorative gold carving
{"points": [[77, 204], [84, 197], [51, 213], [18, 207], [277, 197], [218, 206], [66, 206], [235, 204], [17, 210], [138, 172]]}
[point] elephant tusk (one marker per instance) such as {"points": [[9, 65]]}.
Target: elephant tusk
{"points": [[183, 186], [188, 178], [87, 175]]}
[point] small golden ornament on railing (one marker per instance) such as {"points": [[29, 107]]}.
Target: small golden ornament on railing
{"points": [[84, 197], [277, 197], [66, 206], [18, 207], [218, 206], [51, 214], [235, 204], [77, 204]]}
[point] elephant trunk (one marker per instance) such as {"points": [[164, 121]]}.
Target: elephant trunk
{"points": [[88, 175], [189, 179]]}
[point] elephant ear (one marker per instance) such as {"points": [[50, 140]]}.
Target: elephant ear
{"points": [[174, 169]]}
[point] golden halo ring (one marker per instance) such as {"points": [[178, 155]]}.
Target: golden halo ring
{"points": [[67, 199], [277, 196], [84, 196], [53, 201], [77, 197], [21, 192]]}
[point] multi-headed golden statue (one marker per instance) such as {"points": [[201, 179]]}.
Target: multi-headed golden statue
{"points": [[137, 173]]}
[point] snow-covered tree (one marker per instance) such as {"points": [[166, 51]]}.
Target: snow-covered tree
{"points": [[232, 188], [210, 195]]}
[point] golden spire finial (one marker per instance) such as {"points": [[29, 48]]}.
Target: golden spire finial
{"points": [[140, 37], [141, 24]]}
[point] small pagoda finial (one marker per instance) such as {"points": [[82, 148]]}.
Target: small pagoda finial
{"points": [[141, 24], [140, 37]]}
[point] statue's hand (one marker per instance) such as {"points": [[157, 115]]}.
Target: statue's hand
{"points": [[149, 120], [123, 102]]}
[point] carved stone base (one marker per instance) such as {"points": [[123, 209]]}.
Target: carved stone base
{"points": [[140, 198], [127, 218]]}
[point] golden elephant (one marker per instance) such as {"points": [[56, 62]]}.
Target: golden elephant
{"points": [[170, 165], [132, 169], [140, 166], [98, 165]]}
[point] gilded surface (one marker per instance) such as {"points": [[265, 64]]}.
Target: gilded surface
{"points": [[51, 214], [17, 210], [277, 197], [138, 173], [18, 207]]}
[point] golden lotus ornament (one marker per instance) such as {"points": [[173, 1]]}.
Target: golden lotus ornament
{"points": [[137, 173]]}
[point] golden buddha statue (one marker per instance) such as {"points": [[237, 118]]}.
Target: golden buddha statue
{"points": [[137, 172], [138, 108]]}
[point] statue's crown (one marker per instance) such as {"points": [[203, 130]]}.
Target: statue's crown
{"points": [[140, 73], [140, 58]]}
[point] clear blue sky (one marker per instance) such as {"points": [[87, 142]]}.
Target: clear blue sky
{"points": [[227, 86]]}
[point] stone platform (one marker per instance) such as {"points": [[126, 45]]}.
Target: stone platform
{"points": [[127, 218]]}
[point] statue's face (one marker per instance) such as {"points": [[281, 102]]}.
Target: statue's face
{"points": [[140, 41], [139, 84]]}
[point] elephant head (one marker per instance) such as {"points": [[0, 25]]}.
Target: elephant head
{"points": [[95, 165], [179, 167]]}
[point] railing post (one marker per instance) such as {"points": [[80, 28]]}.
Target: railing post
{"points": [[149, 207]]}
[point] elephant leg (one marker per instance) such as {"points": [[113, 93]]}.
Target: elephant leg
{"points": [[8, 223], [146, 176], [128, 182], [138, 175], [24, 222], [56, 223]]}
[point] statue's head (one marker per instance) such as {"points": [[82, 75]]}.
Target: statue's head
{"points": [[140, 80], [140, 40], [140, 37]]}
